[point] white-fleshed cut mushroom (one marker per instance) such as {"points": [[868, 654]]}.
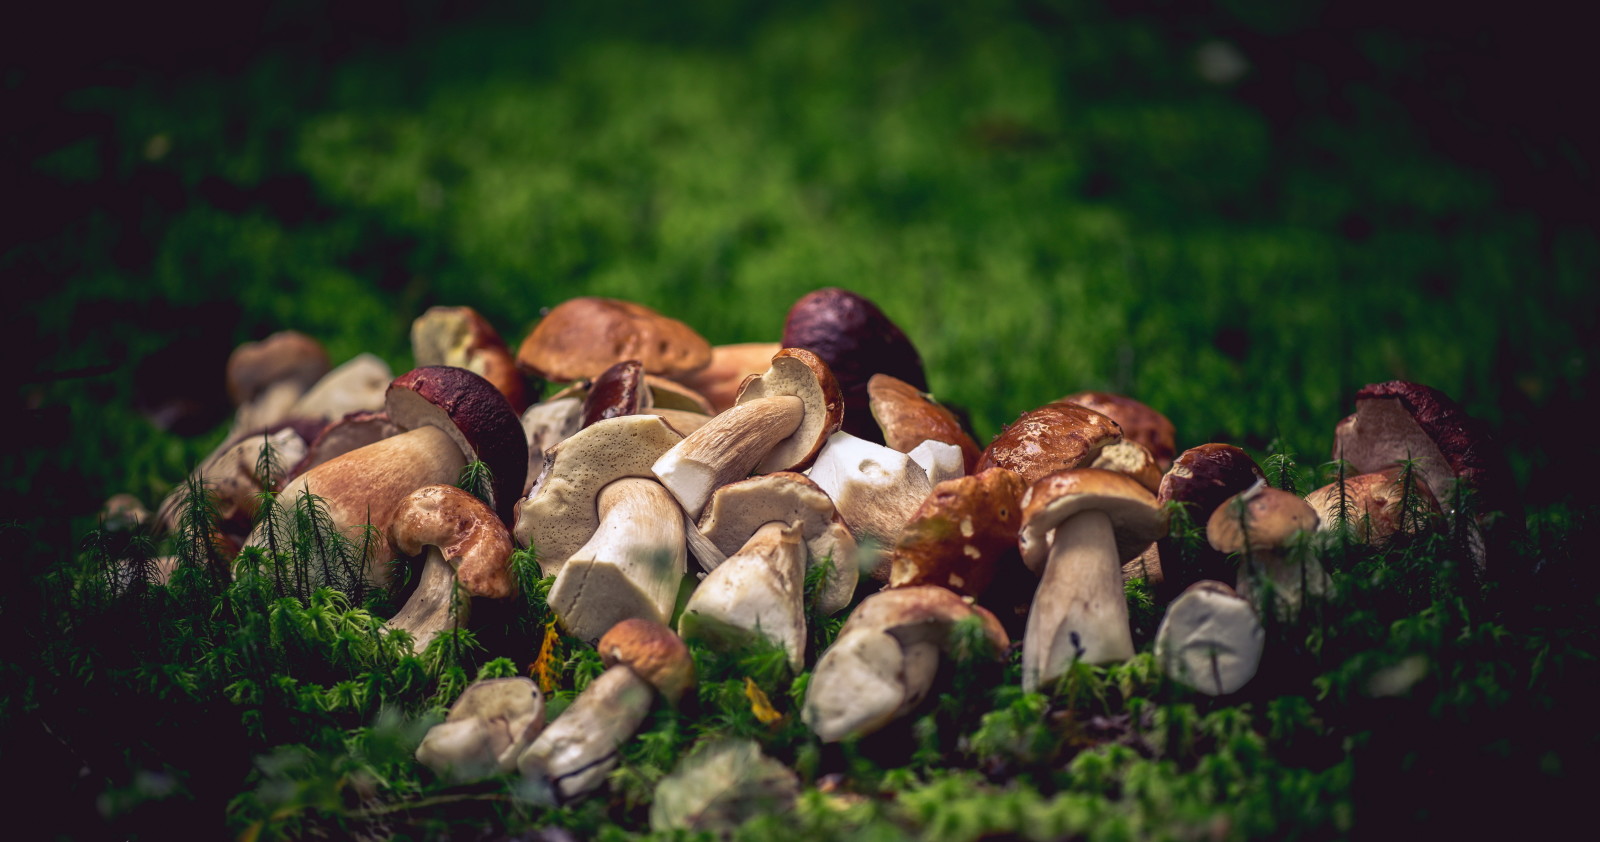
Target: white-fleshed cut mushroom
{"points": [[1210, 639], [486, 730]]}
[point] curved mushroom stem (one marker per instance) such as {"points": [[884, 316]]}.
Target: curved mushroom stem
{"points": [[727, 448], [1289, 580], [759, 590], [575, 753], [1080, 612], [427, 612], [631, 567]]}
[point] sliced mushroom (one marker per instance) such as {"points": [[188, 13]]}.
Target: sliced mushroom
{"points": [[876, 489], [738, 510], [1210, 639], [758, 592]]}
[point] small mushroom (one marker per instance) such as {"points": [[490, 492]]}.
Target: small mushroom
{"points": [[486, 730], [1078, 528], [1260, 524], [265, 378], [1057, 436], [468, 556], [1199, 479], [882, 664], [1210, 639], [583, 337], [1375, 505], [575, 753], [460, 337], [780, 421]]}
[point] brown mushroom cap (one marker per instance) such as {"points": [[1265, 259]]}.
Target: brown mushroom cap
{"points": [[856, 340], [475, 415], [561, 515], [1261, 518], [1136, 517], [467, 533], [1139, 423], [909, 417], [923, 614], [960, 532], [1055, 437], [585, 336], [1202, 477], [1376, 503], [653, 652], [459, 336], [730, 365], [798, 372], [619, 390], [286, 356]]}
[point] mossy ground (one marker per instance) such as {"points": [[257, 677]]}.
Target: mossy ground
{"points": [[1047, 197]]}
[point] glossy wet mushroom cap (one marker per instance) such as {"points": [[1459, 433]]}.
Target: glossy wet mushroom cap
{"points": [[475, 415], [1139, 422], [959, 534], [1055, 437], [909, 417]]}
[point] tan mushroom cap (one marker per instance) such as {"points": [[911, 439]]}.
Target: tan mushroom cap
{"points": [[730, 366], [798, 372], [561, 515], [1055, 437], [653, 652], [1139, 422], [1376, 504], [909, 417], [461, 337], [960, 532], [1136, 517], [286, 356], [467, 533], [923, 614], [585, 336], [1132, 459], [1259, 518]]}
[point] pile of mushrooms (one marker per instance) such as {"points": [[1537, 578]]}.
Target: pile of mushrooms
{"points": [[666, 481]]}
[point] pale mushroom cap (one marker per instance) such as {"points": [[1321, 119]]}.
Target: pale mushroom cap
{"points": [[1133, 459], [585, 336], [461, 337], [561, 514], [467, 532], [1139, 422], [798, 372], [494, 697], [909, 417], [1268, 519], [475, 415], [738, 509], [1210, 639], [653, 652], [960, 532], [1054, 437], [1136, 517], [1375, 504], [922, 614], [286, 356], [356, 385]]}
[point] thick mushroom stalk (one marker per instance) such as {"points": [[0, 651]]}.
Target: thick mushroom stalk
{"points": [[738, 510], [492, 723], [1210, 639], [1260, 524], [780, 421], [877, 489], [630, 567], [758, 591], [883, 663], [468, 555], [573, 756], [1080, 526]]}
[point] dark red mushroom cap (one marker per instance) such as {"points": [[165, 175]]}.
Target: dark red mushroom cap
{"points": [[856, 340], [475, 415]]}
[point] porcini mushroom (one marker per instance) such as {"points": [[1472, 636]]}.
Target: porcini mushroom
{"points": [[730, 366], [909, 417], [1139, 423], [477, 418], [882, 664], [779, 422], [460, 337], [876, 489], [1376, 506], [486, 730], [1210, 639], [856, 340], [1260, 524], [1199, 479], [582, 337], [1079, 526], [758, 591], [1055, 437], [739, 509], [468, 556], [576, 752], [957, 536]]}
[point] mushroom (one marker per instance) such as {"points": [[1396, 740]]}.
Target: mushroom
{"points": [[730, 366], [475, 415], [625, 389], [1376, 505], [356, 430], [959, 533], [486, 730], [1055, 437], [780, 421], [231, 474], [265, 378], [1200, 479], [1132, 459], [882, 664], [876, 489], [738, 510], [1210, 639], [582, 337], [1260, 524], [856, 340], [909, 417], [356, 385], [460, 337], [1139, 423], [468, 556], [576, 752], [1079, 526], [758, 591]]}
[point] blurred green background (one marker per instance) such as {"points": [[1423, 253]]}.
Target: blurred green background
{"points": [[1237, 212]]}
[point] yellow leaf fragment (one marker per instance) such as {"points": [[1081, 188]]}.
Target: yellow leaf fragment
{"points": [[760, 705]]}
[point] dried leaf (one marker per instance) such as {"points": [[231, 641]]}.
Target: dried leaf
{"points": [[760, 705]]}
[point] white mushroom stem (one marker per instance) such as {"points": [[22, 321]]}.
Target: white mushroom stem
{"points": [[1079, 611], [727, 448], [876, 489], [759, 590], [427, 612], [576, 752], [1290, 580], [631, 566], [1210, 640], [860, 684]]}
